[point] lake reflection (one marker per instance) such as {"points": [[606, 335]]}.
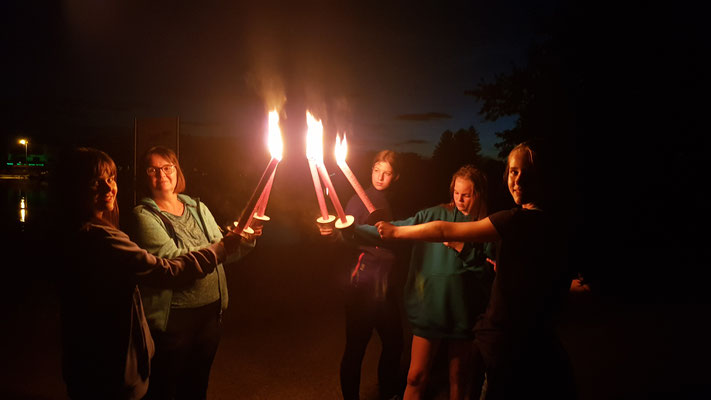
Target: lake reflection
{"points": [[25, 208]]}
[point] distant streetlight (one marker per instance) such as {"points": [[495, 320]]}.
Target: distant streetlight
{"points": [[25, 142]]}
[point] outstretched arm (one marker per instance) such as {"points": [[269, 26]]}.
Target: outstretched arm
{"points": [[441, 231]]}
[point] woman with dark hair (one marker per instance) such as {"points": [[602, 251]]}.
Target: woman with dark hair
{"points": [[107, 347], [516, 335], [370, 301], [186, 321], [447, 287]]}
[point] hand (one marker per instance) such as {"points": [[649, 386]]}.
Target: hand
{"points": [[231, 241], [458, 246], [325, 230], [258, 227], [386, 229]]}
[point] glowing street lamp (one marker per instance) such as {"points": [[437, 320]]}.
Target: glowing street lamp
{"points": [[25, 142]]}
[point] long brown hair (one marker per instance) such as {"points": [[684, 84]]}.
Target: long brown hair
{"points": [[76, 172], [473, 174], [169, 155]]}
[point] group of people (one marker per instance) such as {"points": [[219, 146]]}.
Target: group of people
{"points": [[484, 288]]}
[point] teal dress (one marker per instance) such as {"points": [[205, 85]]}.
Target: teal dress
{"points": [[446, 290]]}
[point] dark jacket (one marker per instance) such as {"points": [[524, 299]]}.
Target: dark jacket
{"points": [[106, 343]]}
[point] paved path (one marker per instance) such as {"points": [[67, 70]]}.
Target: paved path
{"points": [[284, 335]]}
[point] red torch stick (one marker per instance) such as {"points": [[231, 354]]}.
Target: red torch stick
{"points": [[341, 151], [260, 196], [332, 192], [264, 198], [246, 218], [319, 192], [314, 153]]}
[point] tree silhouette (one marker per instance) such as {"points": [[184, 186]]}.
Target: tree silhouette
{"points": [[445, 147], [543, 95], [453, 151], [457, 149], [415, 189], [613, 101]]}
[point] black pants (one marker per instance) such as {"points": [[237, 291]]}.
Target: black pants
{"points": [[184, 353], [363, 315]]}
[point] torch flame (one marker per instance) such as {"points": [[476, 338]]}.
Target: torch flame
{"points": [[341, 150], [314, 139], [274, 140]]}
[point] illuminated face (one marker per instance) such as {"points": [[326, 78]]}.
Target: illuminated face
{"points": [[520, 179], [463, 195], [103, 192], [382, 176], [162, 176]]}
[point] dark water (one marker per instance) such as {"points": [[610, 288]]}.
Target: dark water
{"points": [[28, 194], [23, 222]]}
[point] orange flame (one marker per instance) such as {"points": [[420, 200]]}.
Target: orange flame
{"points": [[341, 150], [314, 139], [274, 140]]}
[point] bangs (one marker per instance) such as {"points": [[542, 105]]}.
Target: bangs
{"points": [[105, 168], [88, 165]]}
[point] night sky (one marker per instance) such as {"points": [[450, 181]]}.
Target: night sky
{"points": [[391, 75]]}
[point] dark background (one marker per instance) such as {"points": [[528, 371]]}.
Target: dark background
{"points": [[621, 89]]}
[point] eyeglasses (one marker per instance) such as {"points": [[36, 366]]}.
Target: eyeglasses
{"points": [[167, 169]]}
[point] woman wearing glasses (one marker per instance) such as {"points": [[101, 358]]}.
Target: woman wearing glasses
{"points": [[185, 322]]}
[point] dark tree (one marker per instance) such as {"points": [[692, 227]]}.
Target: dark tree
{"points": [[415, 189], [445, 147], [617, 93], [467, 145], [543, 95], [453, 151]]}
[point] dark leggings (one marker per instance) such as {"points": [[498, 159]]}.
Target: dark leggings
{"points": [[184, 353], [363, 315]]}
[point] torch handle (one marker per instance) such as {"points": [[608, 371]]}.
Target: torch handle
{"points": [[264, 198], [319, 192], [331, 192], [356, 186], [248, 210]]}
